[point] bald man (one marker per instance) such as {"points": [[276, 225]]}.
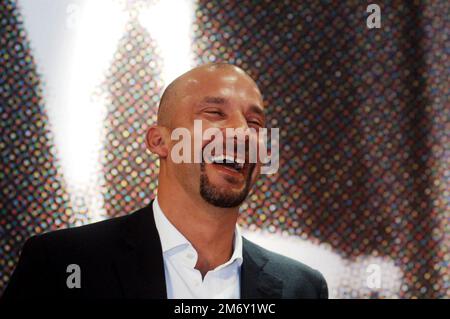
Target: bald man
{"points": [[186, 243]]}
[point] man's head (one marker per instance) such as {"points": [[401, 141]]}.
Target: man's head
{"points": [[221, 96]]}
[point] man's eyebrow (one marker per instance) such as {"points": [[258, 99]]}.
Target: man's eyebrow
{"points": [[214, 100], [257, 109], [220, 100]]}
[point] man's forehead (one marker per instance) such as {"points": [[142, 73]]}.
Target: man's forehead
{"points": [[223, 85]]}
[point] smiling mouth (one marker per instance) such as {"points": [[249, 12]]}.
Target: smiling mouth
{"points": [[227, 162]]}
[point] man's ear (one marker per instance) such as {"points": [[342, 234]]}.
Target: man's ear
{"points": [[156, 140]]}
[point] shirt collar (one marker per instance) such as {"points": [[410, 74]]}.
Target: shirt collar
{"points": [[171, 237]]}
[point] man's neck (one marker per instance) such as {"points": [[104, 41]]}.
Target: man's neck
{"points": [[209, 229]]}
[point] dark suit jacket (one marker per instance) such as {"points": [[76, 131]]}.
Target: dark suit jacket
{"points": [[122, 258]]}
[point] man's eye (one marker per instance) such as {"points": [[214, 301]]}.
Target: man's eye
{"points": [[214, 112], [255, 123]]}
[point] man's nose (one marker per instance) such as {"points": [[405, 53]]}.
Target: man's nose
{"points": [[237, 122], [237, 137], [240, 134]]}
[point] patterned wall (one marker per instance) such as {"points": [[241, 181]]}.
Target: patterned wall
{"points": [[363, 117], [33, 196], [133, 87]]}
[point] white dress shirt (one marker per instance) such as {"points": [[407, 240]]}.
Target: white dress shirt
{"points": [[183, 281]]}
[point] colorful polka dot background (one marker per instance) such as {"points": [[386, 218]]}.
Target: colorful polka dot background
{"points": [[364, 132], [33, 195], [133, 85]]}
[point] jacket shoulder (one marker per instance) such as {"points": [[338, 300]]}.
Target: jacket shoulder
{"points": [[42, 267], [95, 239], [294, 274]]}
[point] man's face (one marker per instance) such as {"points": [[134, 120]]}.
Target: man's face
{"points": [[220, 98]]}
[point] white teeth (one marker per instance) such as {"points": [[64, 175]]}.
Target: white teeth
{"points": [[239, 163], [222, 158], [229, 159]]}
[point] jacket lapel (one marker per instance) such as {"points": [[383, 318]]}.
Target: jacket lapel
{"points": [[140, 264], [256, 280]]}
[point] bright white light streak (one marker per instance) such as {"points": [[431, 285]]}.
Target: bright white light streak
{"points": [[169, 22], [99, 27], [93, 30]]}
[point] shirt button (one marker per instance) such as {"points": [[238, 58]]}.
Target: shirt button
{"points": [[190, 255]]}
